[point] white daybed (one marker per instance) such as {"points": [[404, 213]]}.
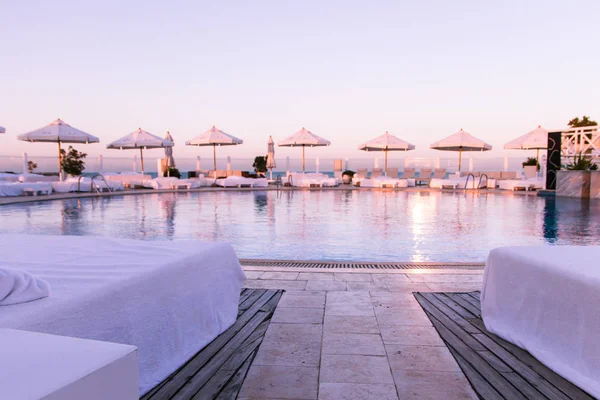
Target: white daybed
{"points": [[173, 183], [128, 178], [311, 180], [37, 178], [525, 184], [18, 188], [457, 183], [546, 301], [4, 177], [170, 299], [382, 182], [238, 181], [85, 185]]}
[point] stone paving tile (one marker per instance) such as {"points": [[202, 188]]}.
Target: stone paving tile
{"points": [[350, 324], [444, 278], [291, 315], [353, 277], [421, 358], [326, 285], [253, 274], [353, 343], [274, 352], [400, 318], [385, 278], [274, 284], [401, 303], [289, 276], [356, 391], [291, 299], [455, 287], [280, 382], [355, 369], [294, 333], [407, 287], [411, 335], [316, 276], [367, 287], [430, 385], [349, 303]]}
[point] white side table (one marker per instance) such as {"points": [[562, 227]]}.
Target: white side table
{"points": [[41, 366]]}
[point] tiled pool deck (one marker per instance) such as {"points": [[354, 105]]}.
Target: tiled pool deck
{"points": [[357, 334]]}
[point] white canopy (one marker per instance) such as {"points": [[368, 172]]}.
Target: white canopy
{"points": [[58, 132], [140, 139], [461, 141], [214, 137], [533, 140], [304, 138], [386, 142]]}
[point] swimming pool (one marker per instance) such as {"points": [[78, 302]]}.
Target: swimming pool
{"points": [[323, 225]]}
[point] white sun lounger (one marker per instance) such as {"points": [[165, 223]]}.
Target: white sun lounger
{"points": [[11, 189], [382, 182], [169, 299], [520, 184], [545, 300], [240, 182]]}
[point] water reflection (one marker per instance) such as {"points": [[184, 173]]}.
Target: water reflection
{"points": [[346, 225]]}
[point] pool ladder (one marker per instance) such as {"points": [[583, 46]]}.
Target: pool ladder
{"points": [[93, 185], [479, 183]]}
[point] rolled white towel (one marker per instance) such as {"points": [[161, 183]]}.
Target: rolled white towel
{"points": [[19, 287]]}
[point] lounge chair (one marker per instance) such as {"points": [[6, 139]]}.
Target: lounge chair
{"points": [[376, 172], [409, 173], [508, 175], [392, 173], [424, 176], [439, 173], [361, 173]]}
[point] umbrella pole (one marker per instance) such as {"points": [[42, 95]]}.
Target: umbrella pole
{"points": [[385, 163], [303, 159], [459, 159], [215, 160], [59, 163], [142, 160]]}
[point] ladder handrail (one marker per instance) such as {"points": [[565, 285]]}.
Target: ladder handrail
{"points": [[467, 181], [79, 183], [291, 180], [480, 178], [95, 186]]}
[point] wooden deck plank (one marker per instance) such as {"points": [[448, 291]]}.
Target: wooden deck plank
{"points": [[235, 383], [256, 307], [501, 367]]}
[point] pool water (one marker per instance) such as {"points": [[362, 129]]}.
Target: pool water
{"points": [[323, 225]]}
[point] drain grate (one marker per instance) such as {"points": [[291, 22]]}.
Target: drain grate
{"points": [[362, 265]]}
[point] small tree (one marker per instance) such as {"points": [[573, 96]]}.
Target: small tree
{"points": [[174, 172], [584, 121], [31, 166], [260, 164], [72, 161]]}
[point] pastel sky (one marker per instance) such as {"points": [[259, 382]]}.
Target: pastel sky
{"points": [[346, 70]]}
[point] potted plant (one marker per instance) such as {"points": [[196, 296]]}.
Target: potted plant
{"points": [[72, 161], [531, 166], [575, 179], [347, 176], [260, 165]]}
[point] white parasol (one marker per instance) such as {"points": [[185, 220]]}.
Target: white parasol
{"points": [[386, 142], [169, 153], [304, 138], [461, 141], [271, 156], [140, 139], [214, 137], [58, 132], [536, 139]]}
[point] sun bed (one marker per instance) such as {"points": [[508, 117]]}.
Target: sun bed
{"points": [[128, 178], [361, 173], [170, 299], [457, 183], [424, 176], [545, 300], [4, 177], [35, 178], [381, 182], [312, 180], [239, 182], [520, 184], [11, 189], [173, 183], [85, 185]]}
